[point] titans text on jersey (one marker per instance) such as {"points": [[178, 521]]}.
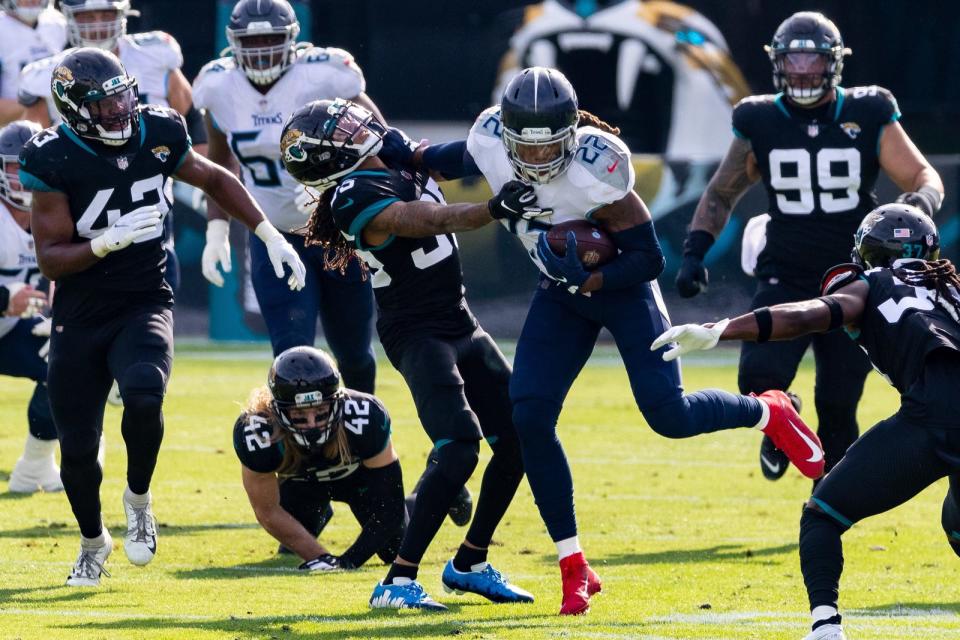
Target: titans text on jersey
{"points": [[101, 188], [819, 167], [253, 122], [418, 282]]}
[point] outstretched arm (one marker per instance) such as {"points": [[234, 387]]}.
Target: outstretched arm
{"points": [[222, 187]]}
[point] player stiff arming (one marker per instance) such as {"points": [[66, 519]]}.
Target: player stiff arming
{"points": [[904, 312], [579, 170], [398, 223], [97, 219], [817, 148]]}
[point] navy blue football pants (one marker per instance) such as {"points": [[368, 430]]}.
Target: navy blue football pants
{"points": [[841, 370], [19, 359], [343, 302], [557, 339]]}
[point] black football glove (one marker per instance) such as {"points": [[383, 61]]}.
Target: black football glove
{"points": [[692, 278], [398, 149], [927, 199], [516, 201], [326, 562]]}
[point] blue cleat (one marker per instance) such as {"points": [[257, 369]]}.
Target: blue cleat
{"points": [[489, 583], [403, 596]]}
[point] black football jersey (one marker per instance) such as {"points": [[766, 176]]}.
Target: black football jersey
{"points": [[365, 421], [102, 184], [819, 168], [418, 282], [901, 325]]}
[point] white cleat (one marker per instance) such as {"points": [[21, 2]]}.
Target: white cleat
{"points": [[89, 567], [140, 541], [827, 632], [36, 469]]}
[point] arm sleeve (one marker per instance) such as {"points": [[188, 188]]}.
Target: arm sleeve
{"points": [[640, 258], [451, 160], [385, 505]]}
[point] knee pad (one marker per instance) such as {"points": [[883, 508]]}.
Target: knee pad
{"points": [[457, 459], [672, 419], [142, 386], [535, 419]]}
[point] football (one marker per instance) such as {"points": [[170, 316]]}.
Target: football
{"points": [[594, 245]]}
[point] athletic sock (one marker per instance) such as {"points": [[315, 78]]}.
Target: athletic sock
{"points": [[568, 547], [467, 558], [136, 499], [404, 572]]}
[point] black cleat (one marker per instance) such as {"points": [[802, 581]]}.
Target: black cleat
{"points": [[773, 462]]}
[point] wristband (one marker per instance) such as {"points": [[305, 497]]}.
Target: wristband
{"points": [[764, 323], [267, 232], [836, 312]]}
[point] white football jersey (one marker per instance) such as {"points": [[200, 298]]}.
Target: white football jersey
{"points": [[149, 57], [23, 44], [18, 259], [600, 173], [253, 122]]}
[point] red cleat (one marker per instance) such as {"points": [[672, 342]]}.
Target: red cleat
{"points": [[579, 583], [791, 435]]}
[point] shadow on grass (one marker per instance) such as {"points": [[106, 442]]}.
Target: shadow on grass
{"points": [[69, 529], [277, 565], [687, 556], [43, 594], [368, 624], [906, 609]]}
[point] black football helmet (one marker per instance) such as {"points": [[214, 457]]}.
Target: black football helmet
{"points": [[95, 96], [12, 138], [540, 114], [301, 378], [102, 34], [29, 15], [327, 139], [262, 35], [807, 56], [892, 232]]}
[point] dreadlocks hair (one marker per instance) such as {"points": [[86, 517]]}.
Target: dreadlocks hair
{"points": [[936, 275], [320, 230], [587, 119]]}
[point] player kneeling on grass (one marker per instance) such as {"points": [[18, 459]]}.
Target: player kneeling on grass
{"points": [[902, 306], [305, 441]]}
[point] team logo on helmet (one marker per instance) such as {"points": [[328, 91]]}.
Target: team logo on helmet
{"points": [[290, 144], [852, 129], [62, 80], [162, 153]]}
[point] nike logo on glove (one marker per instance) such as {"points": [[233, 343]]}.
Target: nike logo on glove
{"points": [[814, 449]]}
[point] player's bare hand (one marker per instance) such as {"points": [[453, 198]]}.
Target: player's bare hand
{"points": [[25, 301]]}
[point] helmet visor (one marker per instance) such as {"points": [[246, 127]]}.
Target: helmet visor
{"points": [[114, 117], [805, 75]]}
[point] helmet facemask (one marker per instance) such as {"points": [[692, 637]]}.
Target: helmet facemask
{"points": [[11, 191], [311, 419], [28, 14], [111, 117], [539, 155], [97, 24], [804, 73], [350, 135], [264, 51]]}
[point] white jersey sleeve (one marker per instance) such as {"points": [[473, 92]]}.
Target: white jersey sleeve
{"points": [[35, 80], [485, 146], [210, 82], [601, 167], [160, 47], [330, 72]]}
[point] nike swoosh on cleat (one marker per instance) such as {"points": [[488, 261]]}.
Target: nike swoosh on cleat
{"points": [[774, 468], [814, 449]]}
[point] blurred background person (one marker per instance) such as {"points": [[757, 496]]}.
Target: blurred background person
{"points": [[29, 30]]}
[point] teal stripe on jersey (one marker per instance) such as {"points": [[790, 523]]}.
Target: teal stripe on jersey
{"points": [[365, 216], [31, 182]]}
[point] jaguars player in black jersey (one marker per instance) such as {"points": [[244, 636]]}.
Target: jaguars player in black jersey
{"points": [[817, 147], [901, 305], [97, 220], [397, 222], [306, 439]]}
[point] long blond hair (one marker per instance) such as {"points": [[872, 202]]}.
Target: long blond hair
{"points": [[260, 403]]}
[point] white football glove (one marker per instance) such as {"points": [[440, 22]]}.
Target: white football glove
{"points": [[282, 253], [216, 251], [135, 226], [326, 562], [306, 199], [689, 337], [42, 330]]}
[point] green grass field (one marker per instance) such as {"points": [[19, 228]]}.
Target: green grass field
{"points": [[690, 540]]}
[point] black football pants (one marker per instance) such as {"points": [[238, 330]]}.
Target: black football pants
{"points": [[841, 370], [136, 350]]}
